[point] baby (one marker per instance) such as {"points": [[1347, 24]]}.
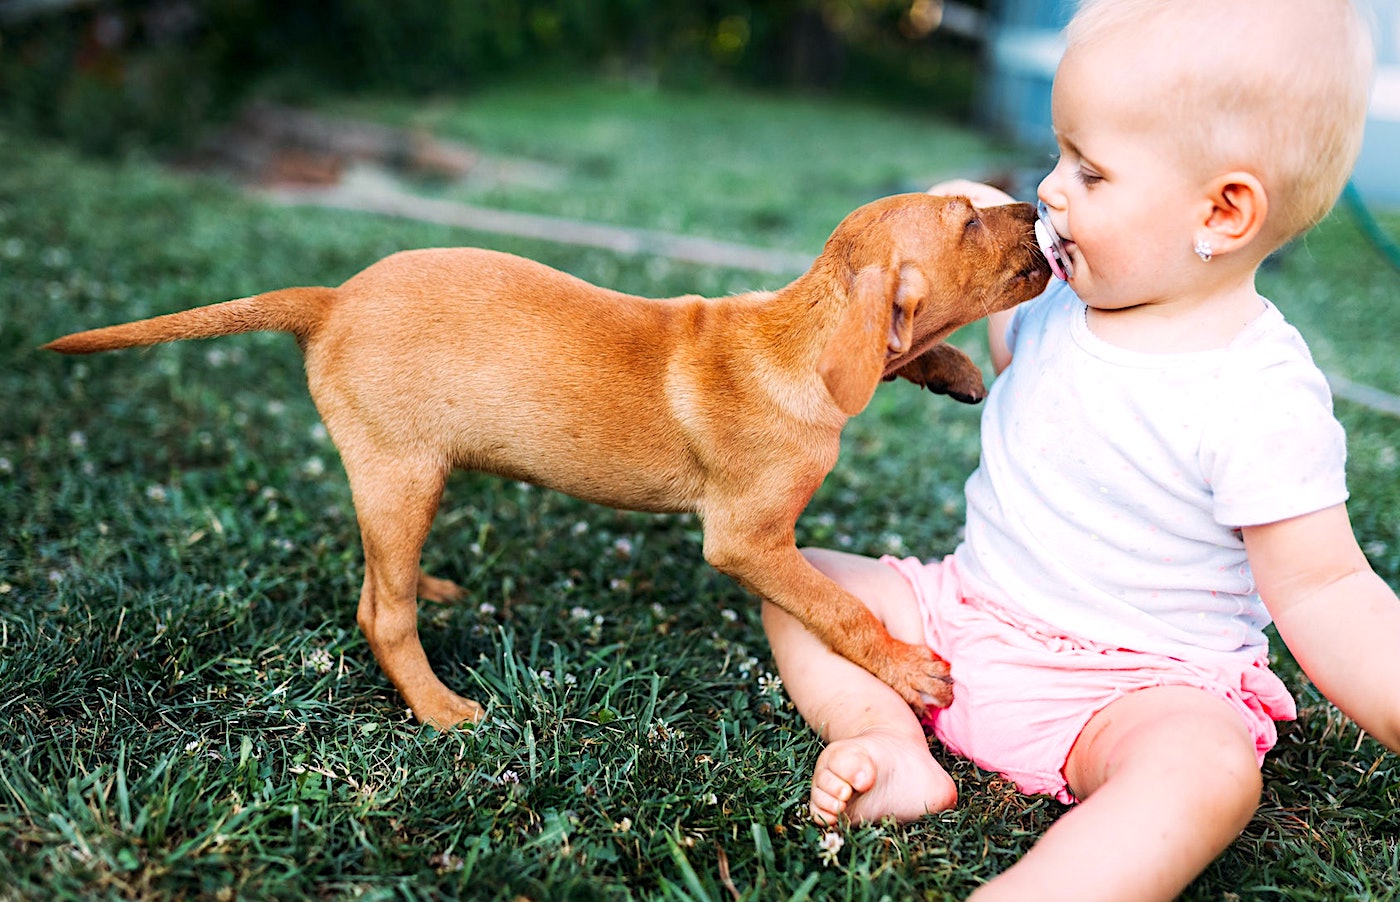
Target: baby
{"points": [[1161, 474]]}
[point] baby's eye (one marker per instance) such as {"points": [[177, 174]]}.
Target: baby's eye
{"points": [[1087, 177]]}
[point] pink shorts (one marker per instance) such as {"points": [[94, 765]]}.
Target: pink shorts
{"points": [[1023, 693]]}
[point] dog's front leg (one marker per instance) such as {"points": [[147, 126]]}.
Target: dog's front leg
{"points": [[771, 567], [946, 370]]}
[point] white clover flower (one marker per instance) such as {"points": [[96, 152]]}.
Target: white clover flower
{"points": [[579, 612], [579, 528], [830, 847], [77, 440], [770, 684], [730, 614], [156, 493], [313, 466], [509, 778], [663, 733], [320, 661], [623, 547], [446, 862], [487, 609]]}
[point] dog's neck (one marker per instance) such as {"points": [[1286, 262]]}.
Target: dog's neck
{"points": [[823, 292]]}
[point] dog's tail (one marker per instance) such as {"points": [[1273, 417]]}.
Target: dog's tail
{"points": [[299, 311]]}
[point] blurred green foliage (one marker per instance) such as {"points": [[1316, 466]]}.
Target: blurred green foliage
{"points": [[117, 73]]}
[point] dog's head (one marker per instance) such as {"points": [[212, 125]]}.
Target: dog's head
{"points": [[915, 267]]}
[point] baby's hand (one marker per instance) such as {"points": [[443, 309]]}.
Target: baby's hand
{"points": [[980, 193]]}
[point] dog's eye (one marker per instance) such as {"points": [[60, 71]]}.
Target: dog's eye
{"points": [[972, 223]]}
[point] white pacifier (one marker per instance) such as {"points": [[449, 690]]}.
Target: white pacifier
{"points": [[1051, 245]]}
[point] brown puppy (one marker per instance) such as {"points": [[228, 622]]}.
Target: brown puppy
{"points": [[731, 408]]}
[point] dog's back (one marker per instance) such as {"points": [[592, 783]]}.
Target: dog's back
{"points": [[455, 349]]}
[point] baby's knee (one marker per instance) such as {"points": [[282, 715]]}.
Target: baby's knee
{"points": [[1217, 766], [1178, 743], [1228, 780]]}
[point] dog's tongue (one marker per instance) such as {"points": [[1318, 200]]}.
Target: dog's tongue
{"points": [[1051, 245]]}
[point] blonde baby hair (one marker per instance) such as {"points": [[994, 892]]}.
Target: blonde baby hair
{"points": [[1278, 88]]}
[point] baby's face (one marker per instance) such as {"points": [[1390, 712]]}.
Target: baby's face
{"points": [[1121, 199]]}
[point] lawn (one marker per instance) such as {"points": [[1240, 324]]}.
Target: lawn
{"points": [[190, 711]]}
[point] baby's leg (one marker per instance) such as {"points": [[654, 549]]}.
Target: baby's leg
{"points": [[1169, 778], [876, 763]]}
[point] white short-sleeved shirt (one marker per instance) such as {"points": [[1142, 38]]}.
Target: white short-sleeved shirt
{"points": [[1113, 483]]}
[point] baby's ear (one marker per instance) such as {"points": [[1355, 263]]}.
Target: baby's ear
{"points": [[1239, 206]]}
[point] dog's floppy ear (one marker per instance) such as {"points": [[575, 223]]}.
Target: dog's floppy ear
{"points": [[877, 323], [909, 295]]}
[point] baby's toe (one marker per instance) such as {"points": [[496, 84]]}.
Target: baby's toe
{"points": [[849, 763], [825, 808]]}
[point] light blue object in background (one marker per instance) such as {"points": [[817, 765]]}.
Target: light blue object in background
{"points": [[1377, 175], [1024, 44]]}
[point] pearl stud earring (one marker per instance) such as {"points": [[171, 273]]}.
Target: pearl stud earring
{"points": [[1203, 250]]}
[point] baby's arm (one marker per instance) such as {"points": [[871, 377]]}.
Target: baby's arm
{"points": [[984, 195], [996, 339], [1338, 618]]}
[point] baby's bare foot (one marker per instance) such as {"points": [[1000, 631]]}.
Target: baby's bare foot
{"points": [[876, 775]]}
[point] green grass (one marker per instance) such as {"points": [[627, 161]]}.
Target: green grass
{"points": [[771, 170], [189, 711]]}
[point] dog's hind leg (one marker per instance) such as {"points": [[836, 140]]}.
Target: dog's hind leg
{"points": [[442, 591], [395, 500]]}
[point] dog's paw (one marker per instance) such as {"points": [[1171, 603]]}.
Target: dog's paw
{"points": [[945, 370], [447, 713], [941, 693], [922, 679], [442, 591]]}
